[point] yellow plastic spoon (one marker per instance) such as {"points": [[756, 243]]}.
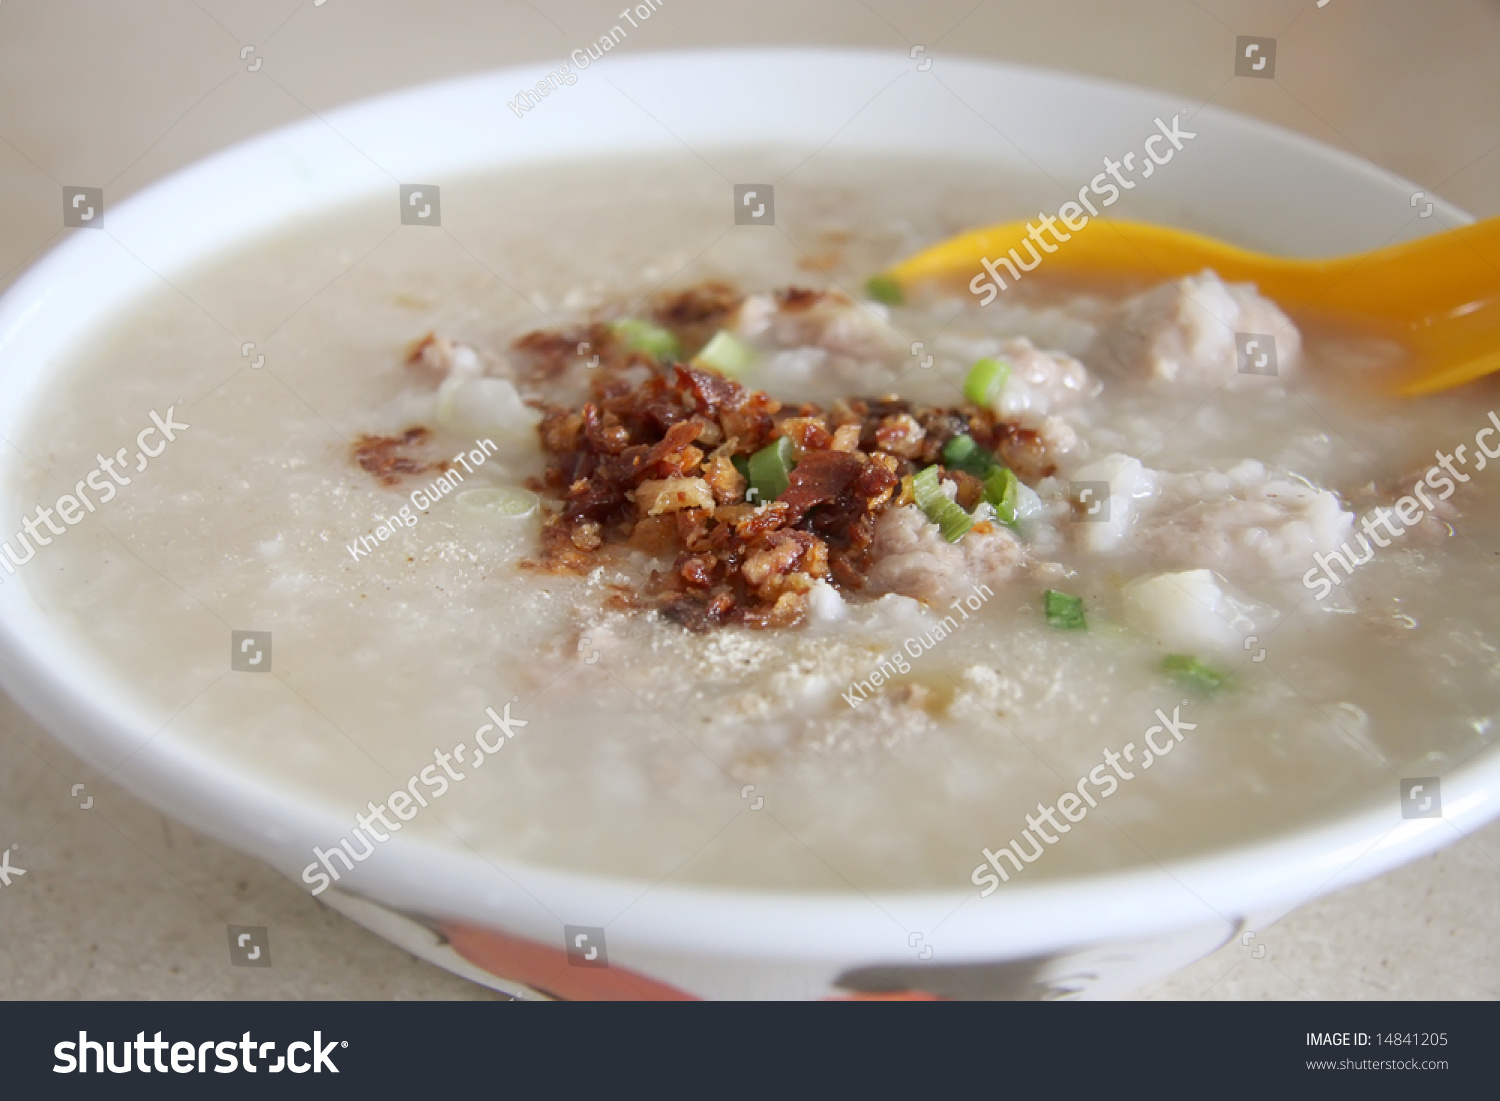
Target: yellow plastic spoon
{"points": [[1439, 295]]}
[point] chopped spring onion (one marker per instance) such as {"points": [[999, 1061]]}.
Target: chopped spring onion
{"points": [[1063, 611], [962, 453], [725, 354], [642, 336], [1001, 489], [952, 521], [1194, 672], [985, 380], [883, 288], [500, 502], [769, 470]]}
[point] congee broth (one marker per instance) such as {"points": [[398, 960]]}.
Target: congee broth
{"points": [[779, 598]]}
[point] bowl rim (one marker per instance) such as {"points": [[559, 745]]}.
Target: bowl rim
{"points": [[260, 816]]}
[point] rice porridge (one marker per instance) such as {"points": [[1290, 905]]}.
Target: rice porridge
{"points": [[750, 589]]}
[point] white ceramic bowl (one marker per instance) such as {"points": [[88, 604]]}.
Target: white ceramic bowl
{"points": [[1093, 935]]}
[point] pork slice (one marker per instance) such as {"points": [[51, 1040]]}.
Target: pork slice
{"points": [[1191, 331]]}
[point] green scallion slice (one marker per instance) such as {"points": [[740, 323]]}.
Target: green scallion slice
{"points": [[725, 354], [952, 521], [1002, 490], [964, 453], [985, 380], [1190, 670], [1063, 611], [642, 336], [883, 288], [769, 470], [961, 452]]}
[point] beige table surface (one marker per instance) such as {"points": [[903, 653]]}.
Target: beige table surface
{"points": [[120, 902]]}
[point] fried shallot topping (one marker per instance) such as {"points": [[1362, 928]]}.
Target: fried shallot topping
{"points": [[695, 312], [659, 466], [389, 457]]}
